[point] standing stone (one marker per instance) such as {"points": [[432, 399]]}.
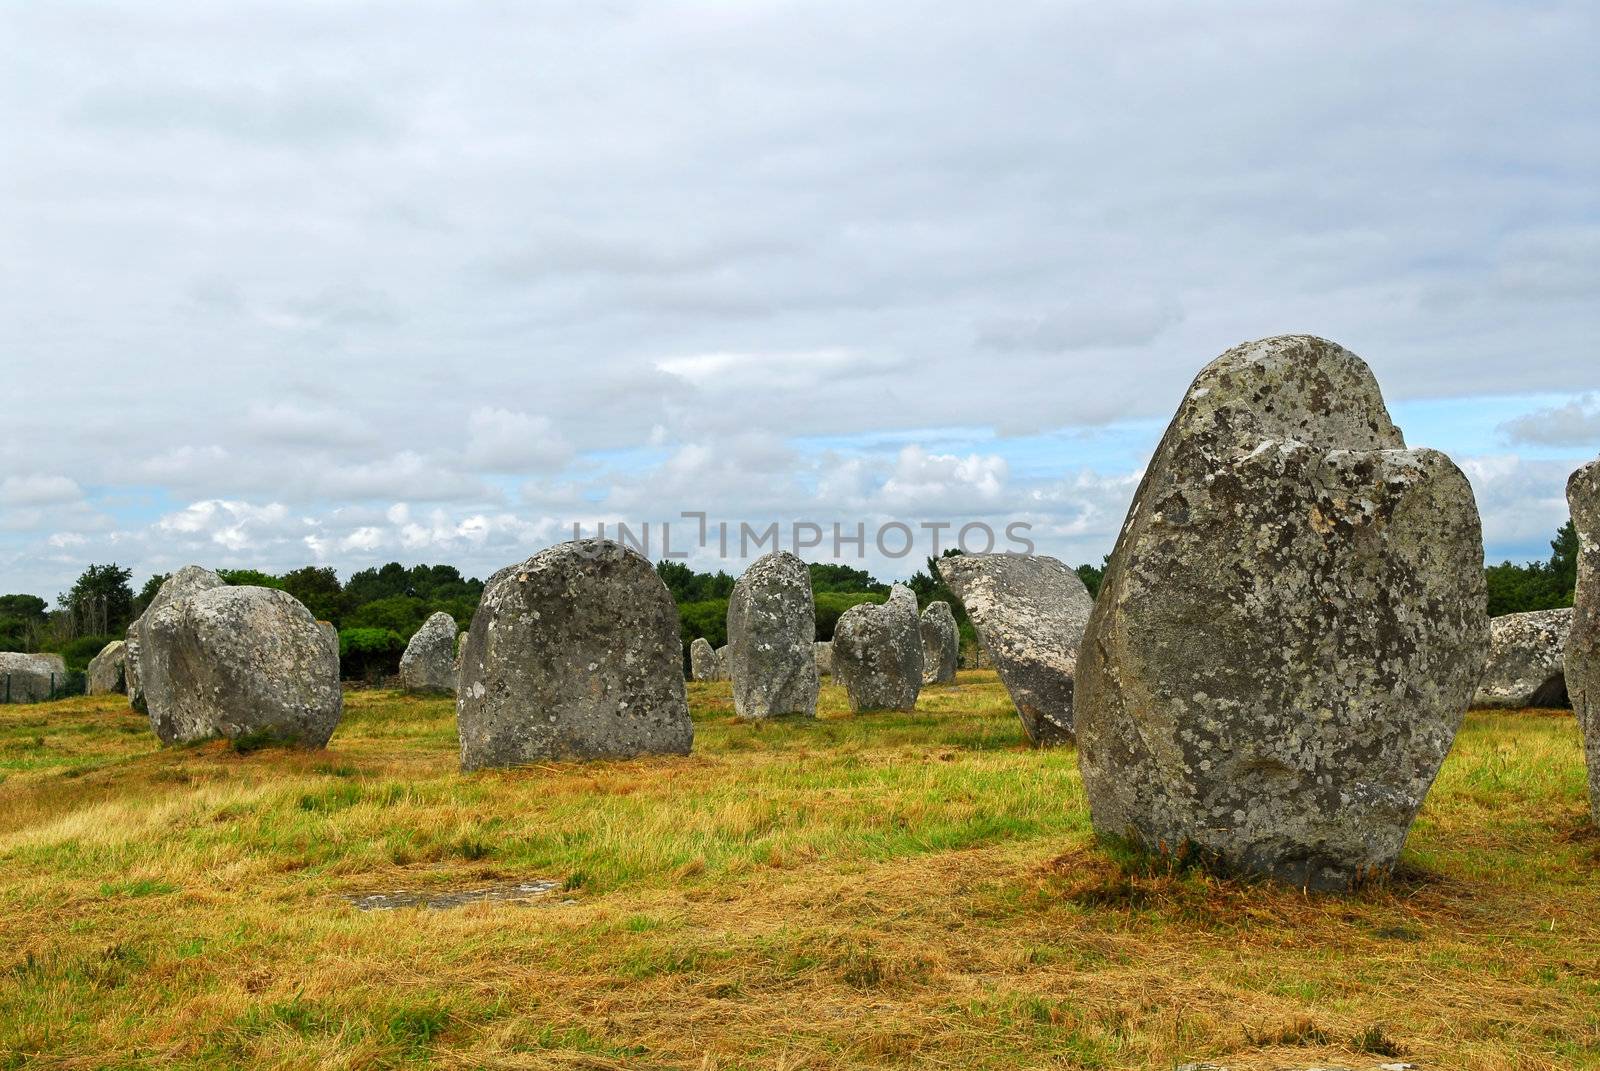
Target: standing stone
{"points": [[772, 625], [108, 669], [573, 653], [429, 662], [877, 653], [153, 693], [941, 644], [1029, 612], [703, 663], [245, 663], [823, 650], [130, 667], [1290, 627], [724, 660], [1525, 661], [30, 678], [1583, 641], [330, 634]]}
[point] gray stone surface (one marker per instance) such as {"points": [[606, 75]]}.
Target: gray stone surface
{"points": [[1289, 630], [1029, 612], [823, 651], [772, 626], [704, 665], [130, 667], [330, 634], [941, 643], [1525, 661], [245, 663], [28, 678], [153, 695], [429, 661], [877, 653], [722, 662], [107, 670], [1583, 640], [573, 653]]}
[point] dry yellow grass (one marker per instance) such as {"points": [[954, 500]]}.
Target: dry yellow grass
{"points": [[897, 890]]}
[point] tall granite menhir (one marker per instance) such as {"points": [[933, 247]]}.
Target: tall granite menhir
{"points": [[1583, 641], [772, 625], [1289, 629], [573, 654], [941, 643], [877, 653]]}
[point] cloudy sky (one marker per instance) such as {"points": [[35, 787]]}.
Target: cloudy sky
{"points": [[347, 283]]}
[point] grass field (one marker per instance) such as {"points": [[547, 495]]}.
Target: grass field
{"points": [[898, 890]]}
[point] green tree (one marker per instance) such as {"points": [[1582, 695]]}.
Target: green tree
{"points": [[22, 621], [99, 603], [319, 589], [1092, 575], [147, 594]]}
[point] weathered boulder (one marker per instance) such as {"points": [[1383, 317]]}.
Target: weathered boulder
{"points": [[429, 661], [877, 653], [245, 663], [30, 678], [1290, 627], [1029, 612], [1525, 661], [153, 692], [130, 667], [573, 653], [823, 651], [108, 669], [772, 626], [941, 643], [1583, 640], [703, 662]]}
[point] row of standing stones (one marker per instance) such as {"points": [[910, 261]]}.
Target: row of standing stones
{"points": [[1287, 637]]}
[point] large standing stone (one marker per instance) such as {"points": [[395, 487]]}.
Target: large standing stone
{"points": [[877, 653], [30, 678], [1290, 627], [941, 643], [1525, 661], [823, 650], [573, 653], [245, 663], [1583, 641], [108, 669], [703, 662], [429, 662], [152, 693], [772, 625], [1029, 612]]}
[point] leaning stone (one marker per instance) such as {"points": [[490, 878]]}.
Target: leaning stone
{"points": [[573, 653], [107, 670], [941, 643], [704, 665], [823, 650], [154, 695], [1583, 641], [429, 661], [1289, 630], [1525, 661], [245, 663], [30, 678], [877, 653], [771, 628], [1029, 612]]}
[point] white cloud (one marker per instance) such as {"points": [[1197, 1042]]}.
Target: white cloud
{"points": [[505, 440], [1577, 423], [38, 490]]}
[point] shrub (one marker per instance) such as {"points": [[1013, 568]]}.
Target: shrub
{"points": [[369, 653], [831, 604]]}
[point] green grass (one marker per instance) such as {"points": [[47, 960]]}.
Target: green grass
{"points": [[903, 890]]}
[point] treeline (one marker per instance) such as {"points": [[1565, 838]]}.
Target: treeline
{"points": [[377, 610]]}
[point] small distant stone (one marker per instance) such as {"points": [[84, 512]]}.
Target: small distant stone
{"points": [[107, 670], [941, 644], [429, 662], [703, 662], [823, 649], [30, 678], [1526, 652]]}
